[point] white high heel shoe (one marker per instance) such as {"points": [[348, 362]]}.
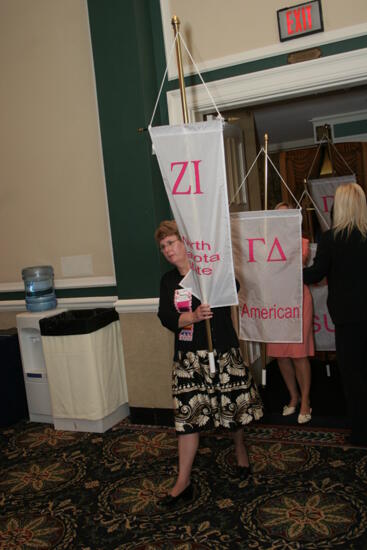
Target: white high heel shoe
{"points": [[304, 418], [287, 410]]}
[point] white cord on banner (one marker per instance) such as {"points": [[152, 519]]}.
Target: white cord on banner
{"points": [[197, 70], [245, 178], [341, 156], [201, 78], [305, 192], [314, 158], [262, 150], [301, 197], [294, 198], [163, 79]]}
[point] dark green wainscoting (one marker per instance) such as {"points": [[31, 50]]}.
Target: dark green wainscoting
{"points": [[128, 54]]}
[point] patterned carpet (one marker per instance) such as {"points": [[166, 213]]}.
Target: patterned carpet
{"points": [[101, 491]]}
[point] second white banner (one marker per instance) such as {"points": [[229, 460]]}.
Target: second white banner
{"points": [[267, 254]]}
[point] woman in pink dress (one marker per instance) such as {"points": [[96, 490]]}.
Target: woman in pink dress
{"points": [[293, 359]]}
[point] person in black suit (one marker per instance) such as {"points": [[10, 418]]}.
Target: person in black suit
{"points": [[342, 257]]}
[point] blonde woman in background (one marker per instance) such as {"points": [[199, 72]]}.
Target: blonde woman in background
{"points": [[342, 258], [293, 359]]}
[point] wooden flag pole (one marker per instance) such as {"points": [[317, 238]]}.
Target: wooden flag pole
{"points": [[309, 210], [176, 27], [266, 171], [263, 354]]}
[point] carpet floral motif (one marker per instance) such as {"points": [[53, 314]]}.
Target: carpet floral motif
{"points": [[45, 529], [85, 491], [271, 459], [307, 515], [132, 447], [31, 532], [39, 437], [40, 477], [361, 470]]}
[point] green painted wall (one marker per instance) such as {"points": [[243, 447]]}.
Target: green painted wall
{"points": [[347, 129], [129, 59]]}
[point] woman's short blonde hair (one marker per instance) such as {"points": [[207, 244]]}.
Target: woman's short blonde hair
{"points": [[165, 229], [350, 209]]}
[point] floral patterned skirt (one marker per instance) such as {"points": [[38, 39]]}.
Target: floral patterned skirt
{"points": [[229, 398]]}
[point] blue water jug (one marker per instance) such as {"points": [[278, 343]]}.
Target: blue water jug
{"points": [[39, 288]]}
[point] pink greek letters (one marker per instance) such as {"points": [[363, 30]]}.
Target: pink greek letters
{"points": [[180, 176], [276, 253], [325, 202]]}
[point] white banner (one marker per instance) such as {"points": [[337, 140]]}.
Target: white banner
{"points": [[267, 252], [322, 191], [323, 327], [192, 163]]}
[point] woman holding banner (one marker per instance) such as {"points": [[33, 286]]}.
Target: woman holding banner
{"points": [[229, 398], [342, 257], [293, 359]]}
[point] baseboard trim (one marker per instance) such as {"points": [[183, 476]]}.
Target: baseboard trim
{"points": [[151, 417], [65, 283], [63, 303], [137, 305], [145, 305]]}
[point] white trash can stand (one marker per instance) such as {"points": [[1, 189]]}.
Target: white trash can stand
{"points": [[85, 369]]}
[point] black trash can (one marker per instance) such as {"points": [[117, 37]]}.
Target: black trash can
{"points": [[13, 399], [85, 370], [77, 321]]}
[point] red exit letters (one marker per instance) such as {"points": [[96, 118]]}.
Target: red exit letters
{"points": [[299, 20]]}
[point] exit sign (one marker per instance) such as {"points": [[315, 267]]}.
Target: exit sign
{"points": [[300, 20]]}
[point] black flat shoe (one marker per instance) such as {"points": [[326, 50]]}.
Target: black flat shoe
{"points": [[243, 472], [185, 496]]}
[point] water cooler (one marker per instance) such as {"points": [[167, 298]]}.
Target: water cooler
{"points": [[34, 367]]}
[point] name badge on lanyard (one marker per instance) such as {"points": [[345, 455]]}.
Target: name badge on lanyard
{"points": [[183, 303]]}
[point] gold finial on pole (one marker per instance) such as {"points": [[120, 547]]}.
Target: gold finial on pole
{"points": [[176, 27]]}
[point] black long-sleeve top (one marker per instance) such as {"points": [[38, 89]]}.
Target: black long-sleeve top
{"points": [[343, 260], [222, 331]]}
